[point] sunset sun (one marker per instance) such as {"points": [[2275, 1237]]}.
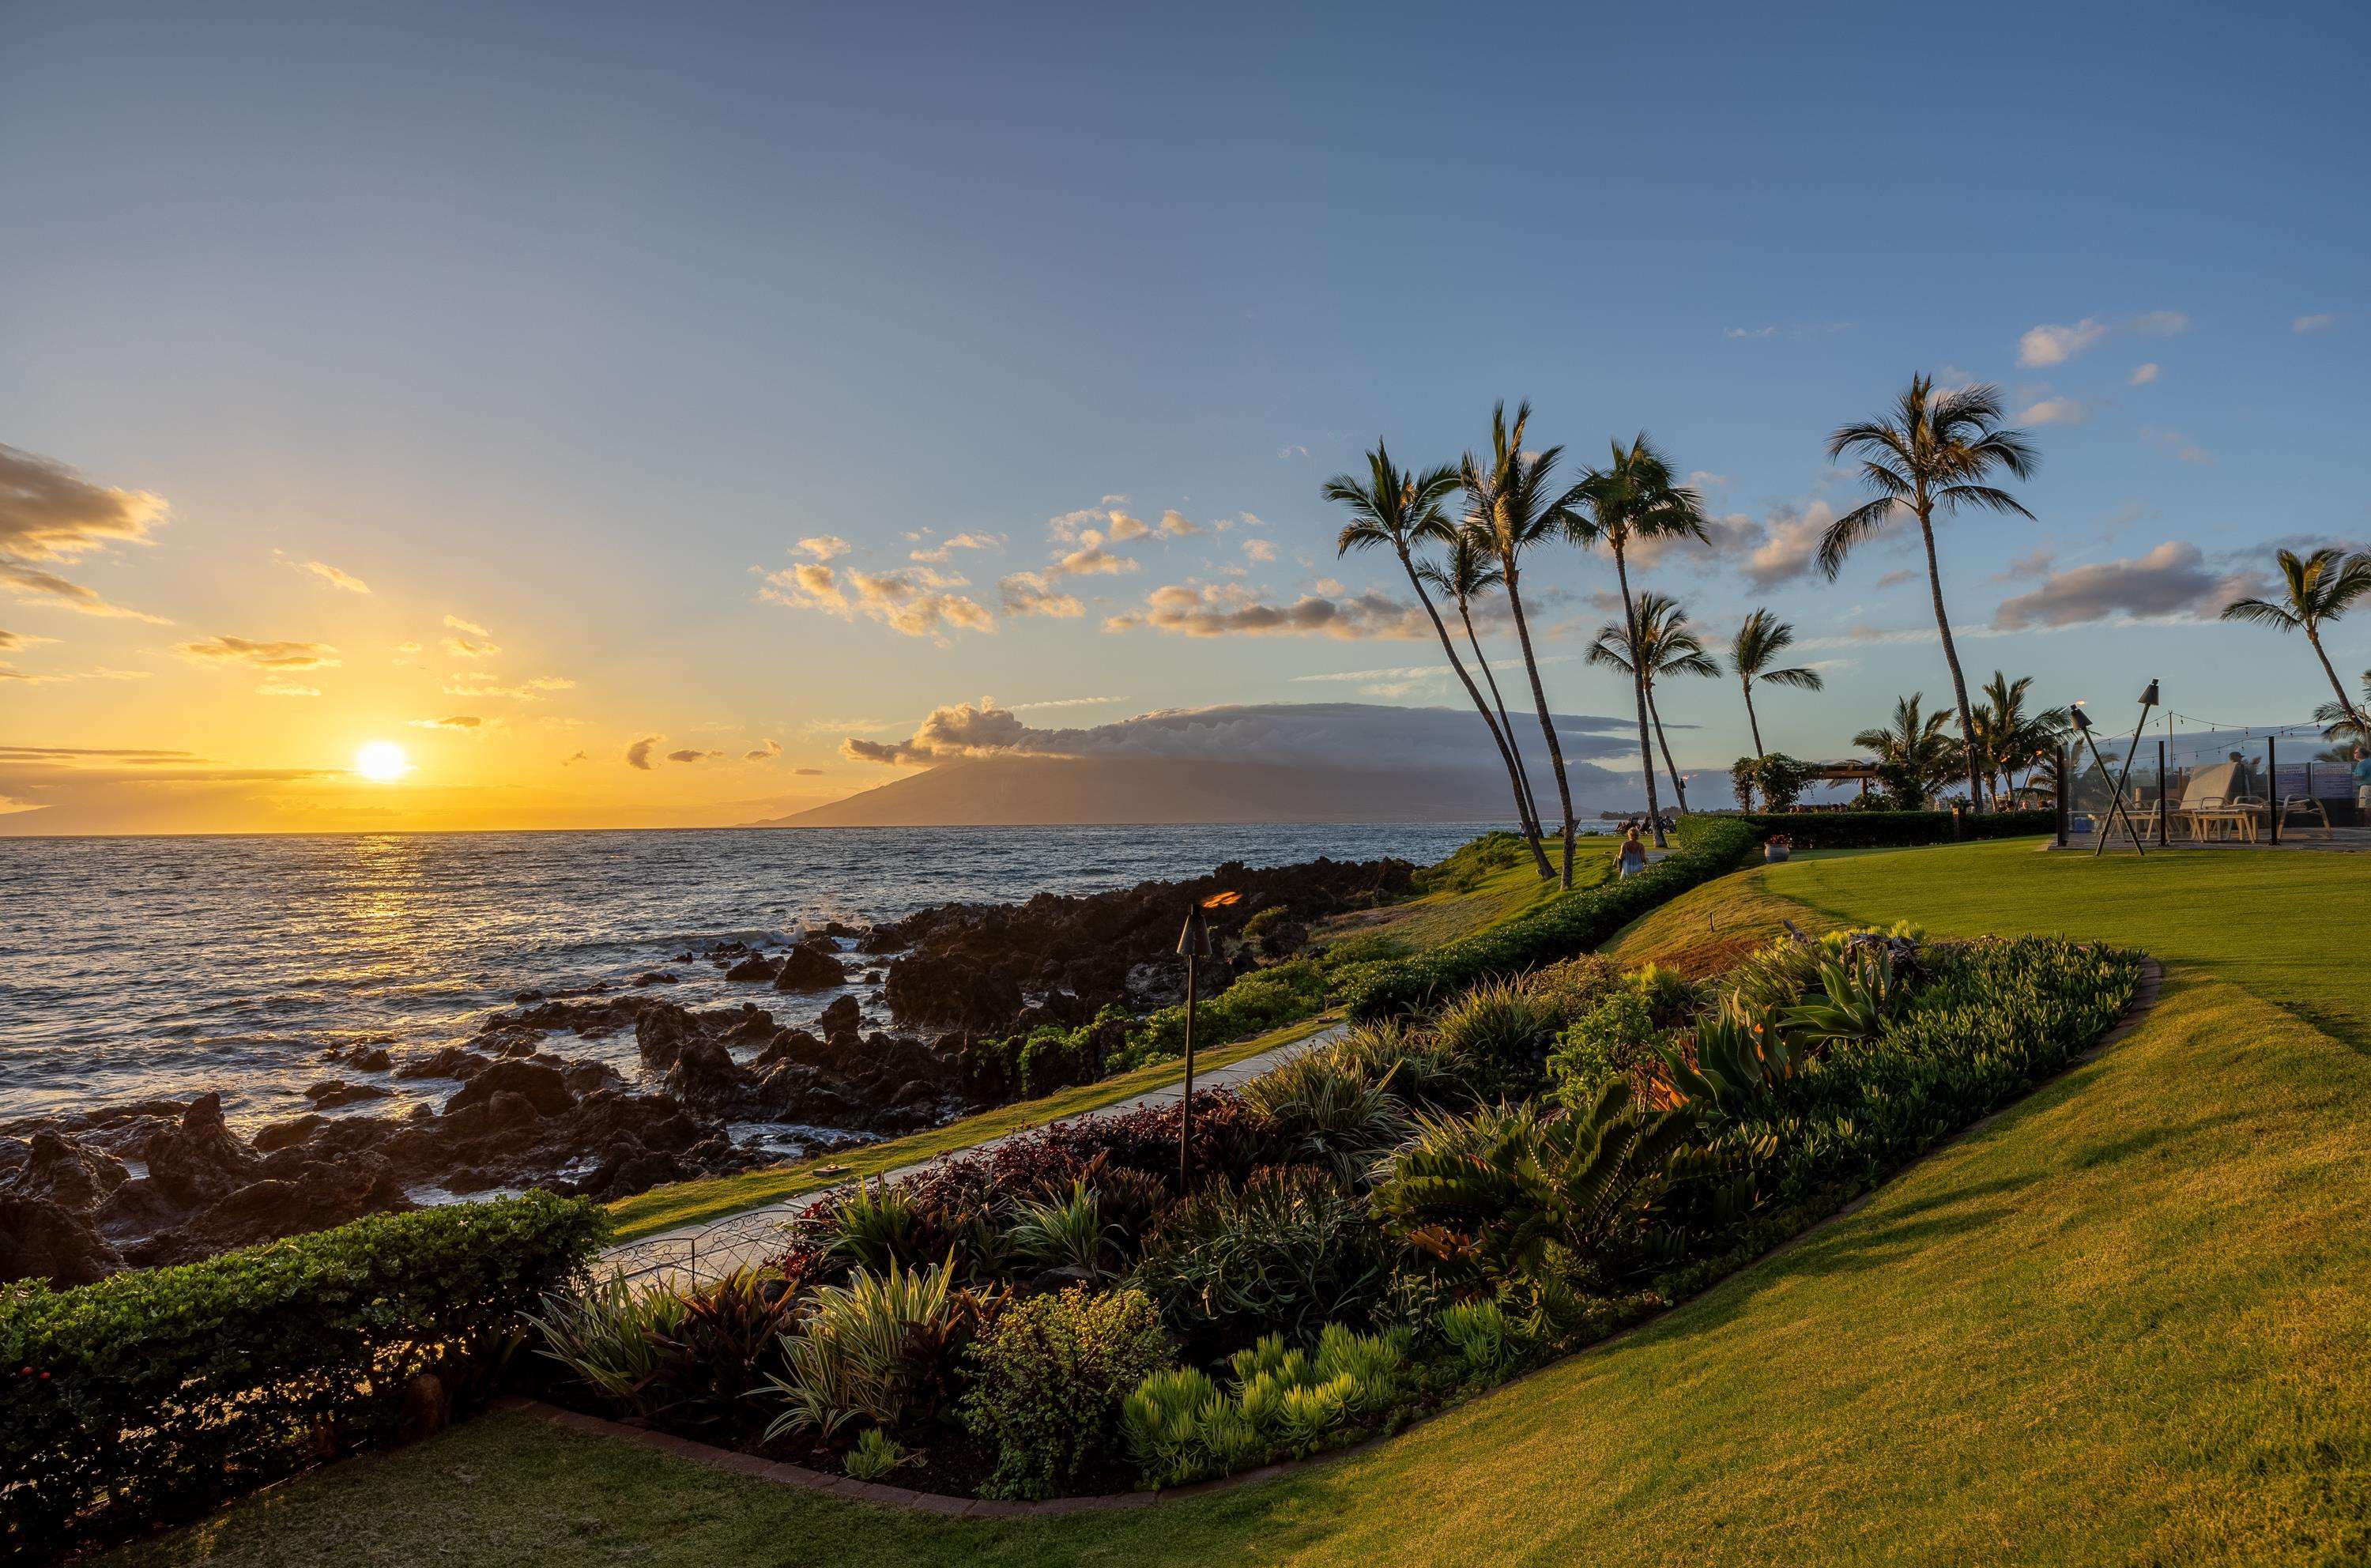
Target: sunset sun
{"points": [[382, 761]]}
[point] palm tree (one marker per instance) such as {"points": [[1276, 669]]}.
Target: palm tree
{"points": [[1466, 574], [1914, 748], [1632, 498], [1509, 501], [1752, 650], [1934, 453], [1658, 643], [2341, 723], [1404, 511], [2315, 591], [2008, 737]]}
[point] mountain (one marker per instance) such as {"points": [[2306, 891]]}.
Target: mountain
{"points": [[1038, 791]]}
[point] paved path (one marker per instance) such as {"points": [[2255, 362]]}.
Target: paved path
{"points": [[714, 1248]]}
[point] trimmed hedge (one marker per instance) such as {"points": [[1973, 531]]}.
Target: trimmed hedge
{"points": [[156, 1394], [1861, 830], [1567, 924]]}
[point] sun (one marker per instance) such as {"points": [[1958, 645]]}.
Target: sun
{"points": [[382, 761]]}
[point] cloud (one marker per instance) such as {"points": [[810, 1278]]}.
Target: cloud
{"points": [[2055, 411], [911, 600], [944, 550], [1030, 593], [472, 628], [692, 755], [283, 687], [458, 722], [1091, 560], [808, 772], [50, 513], [1733, 332], [1124, 526], [14, 639], [34, 585], [485, 683], [764, 750], [60, 677], [824, 547], [2035, 562], [638, 754], [1177, 526], [2320, 321], [1896, 579], [1337, 733], [2172, 581], [2161, 323], [470, 647], [1793, 330], [2055, 345], [2180, 445], [1789, 546], [332, 575], [2142, 374], [1222, 609], [280, 655], [1260, 550], [1291, 450]]}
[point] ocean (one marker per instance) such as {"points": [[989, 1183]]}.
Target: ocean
{"points": [[135, 968]]}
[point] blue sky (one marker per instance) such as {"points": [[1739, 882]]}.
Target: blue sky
{"points": [[571, 323]]}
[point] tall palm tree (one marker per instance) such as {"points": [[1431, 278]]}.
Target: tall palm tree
{"points": [[1753, 650], [1656, 645], [1632, 498], [1511, 502], [1404, 511], [2008, 737], [1468, 572], [1914, 745], [2315, 591], [1933, 454], [2343, 723]]}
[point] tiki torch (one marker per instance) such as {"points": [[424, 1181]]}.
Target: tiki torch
{"points": [[2116, 804], [1194, 942]]}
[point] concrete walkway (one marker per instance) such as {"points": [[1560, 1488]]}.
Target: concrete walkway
{"points": [[714, 1247]]}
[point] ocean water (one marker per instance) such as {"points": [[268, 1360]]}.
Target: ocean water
{"points": [[139, 967]]}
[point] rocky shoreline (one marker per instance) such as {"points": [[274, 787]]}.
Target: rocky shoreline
{"points": [[161, 1182]]}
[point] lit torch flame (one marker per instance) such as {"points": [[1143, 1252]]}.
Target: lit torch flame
{"points": [[1221, 900]]}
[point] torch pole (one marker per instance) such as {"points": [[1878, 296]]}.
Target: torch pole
{"points": [[1186, 1107]]}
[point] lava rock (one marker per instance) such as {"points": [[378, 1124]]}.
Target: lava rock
{"points": [[810, 966], [543, 1087], [40, 1238]]}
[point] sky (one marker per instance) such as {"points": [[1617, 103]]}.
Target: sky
{"points": [[620, 412]]}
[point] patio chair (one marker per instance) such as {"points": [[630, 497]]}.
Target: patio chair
{"points": [[2309, 807]]}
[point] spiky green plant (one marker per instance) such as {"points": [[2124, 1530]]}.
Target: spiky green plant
{"points": [[1066, 1230]]}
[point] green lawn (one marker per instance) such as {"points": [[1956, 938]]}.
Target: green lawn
{"points": [[682, 1203], [2121, 1323], [1436, 919]]}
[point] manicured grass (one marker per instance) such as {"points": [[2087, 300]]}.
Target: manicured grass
{"points": [[683, 1203], [2287, 926], [1443, 916], [2119, 1324]]}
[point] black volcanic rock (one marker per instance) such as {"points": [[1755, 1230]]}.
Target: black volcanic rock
{"points": [[810, 966], [40, 1238]]}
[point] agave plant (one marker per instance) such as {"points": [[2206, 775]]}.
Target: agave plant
{"points": [[1859, 992], [1513, 1194]]}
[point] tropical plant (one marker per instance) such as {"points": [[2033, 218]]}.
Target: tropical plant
{"points": [[1287, 1251], [1329, 1111], [1048, 1378], [1753, 656], [1283, 1401], [1469, 572], [1633, 499], [875, 1455], [1779, 778], [1066, 1231], [612, 1336], [877, 1226], [1512, 1195], [717, 1349], [1859, 994], [1489, 1344], [1402, 510], [1914, 756], [1656, 644], [1933, 454], [2341, 723], [1418, 1067], [881, 1347], [2315, 589], [1513, 503], [2008, 737], [1500, 1026]]}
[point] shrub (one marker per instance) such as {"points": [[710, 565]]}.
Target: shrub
{"points": [[1567, 924], [1048, 1379], [882, 1347], [1501, 1028], [1329, 1111], [875, 1455], [1471, 862], [1284, 1402], [1489, 1344], [1882, 827], [1417, 1069], [612, 1337], [1265, 999], [160, 1392], [1065, 1232], [1287, 1251], [876, 1226], [1633, 1026]]}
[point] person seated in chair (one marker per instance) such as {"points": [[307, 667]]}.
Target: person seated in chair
{"points": [[1633, 859]]}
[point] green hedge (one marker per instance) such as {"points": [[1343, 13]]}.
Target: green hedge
{"points": [[156, 1394], [1860, 830], [1567, 924]]}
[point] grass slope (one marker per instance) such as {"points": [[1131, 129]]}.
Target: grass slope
{"points": [[1435, 918], [682, 1203], [2121, 1323]]}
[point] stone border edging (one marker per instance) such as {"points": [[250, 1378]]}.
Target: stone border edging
{"points": [[2146, 995]]}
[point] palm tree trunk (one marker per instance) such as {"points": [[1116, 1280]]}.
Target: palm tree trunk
{"points": [[1514, 770], [2346, 703], [1522, 777], [1540, 701], [1638, 691], [1678, 788], [1951, 657], [1750, 722]]}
